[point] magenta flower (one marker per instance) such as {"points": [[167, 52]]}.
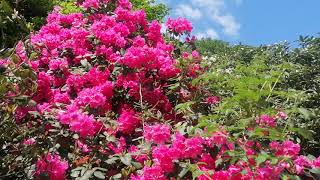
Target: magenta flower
{"points": [[179, 25], [128, 121], [213, 100], [150, 173], [158, 133], [266, 121], [53, 166]]}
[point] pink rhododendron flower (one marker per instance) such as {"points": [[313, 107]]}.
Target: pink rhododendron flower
{"points": [[154, 33], [185, 55], [195, 55], [85, 125], [193, 147], [300, 163], [178, 146], [56, 64], [90, 97], [316, 163], [158, 133], [282, 115], [287, 148], [212, 100], [29, 141], [84, 147], [150, 173], [266, 121], [217, 138], [268, 172], [61, 97], [79, 122], [207, 162], [119, 146], [53, 166], [128, 121], [179, 25], [162, 157]]}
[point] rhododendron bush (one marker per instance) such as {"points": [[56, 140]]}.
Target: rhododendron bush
{"points": [[114, 99]]}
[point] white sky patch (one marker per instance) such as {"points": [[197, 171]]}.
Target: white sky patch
{"points": [[185, 10], [163, 28], [230, 26], [209, 33], [217, 10]]}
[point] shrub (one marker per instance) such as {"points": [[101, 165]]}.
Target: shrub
{"points": [[114, 99]]}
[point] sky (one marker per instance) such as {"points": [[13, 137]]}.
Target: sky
{"points": [[251, 22]]}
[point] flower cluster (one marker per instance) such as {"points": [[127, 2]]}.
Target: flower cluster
{"points": [[179, 25], [51, 166], [107, 81], [157, 134]]}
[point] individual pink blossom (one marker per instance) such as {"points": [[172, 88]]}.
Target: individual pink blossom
{"points": [[128, 121], [316, 163], [300, 163], [90, 97], [154, 32], [266, 121], [178, 146], [213, 100], [193, 147], [97, 77], [162, 157], [90, 4], [185, 55], [125, 4], [287, 148], [217, 138], [52, 165], [119, 146], [79, 122], [56, 64], [158, 133], [85, 125], [29, 141], [267, 172], [282, 115], [84, 147], [196, 55], [206, 162], [61, 97], [179, 25]]}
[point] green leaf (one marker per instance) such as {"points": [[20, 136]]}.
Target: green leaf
{"points": [[117, 176], [305, 133], [183, 172], [262, 158], [196, 173], [218, 162], [184, 107], [112, 160], [99, 174], [306, 113], [315, 171], [126, 159]]}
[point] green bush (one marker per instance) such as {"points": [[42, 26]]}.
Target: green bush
{"points": [[257, 80]]}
